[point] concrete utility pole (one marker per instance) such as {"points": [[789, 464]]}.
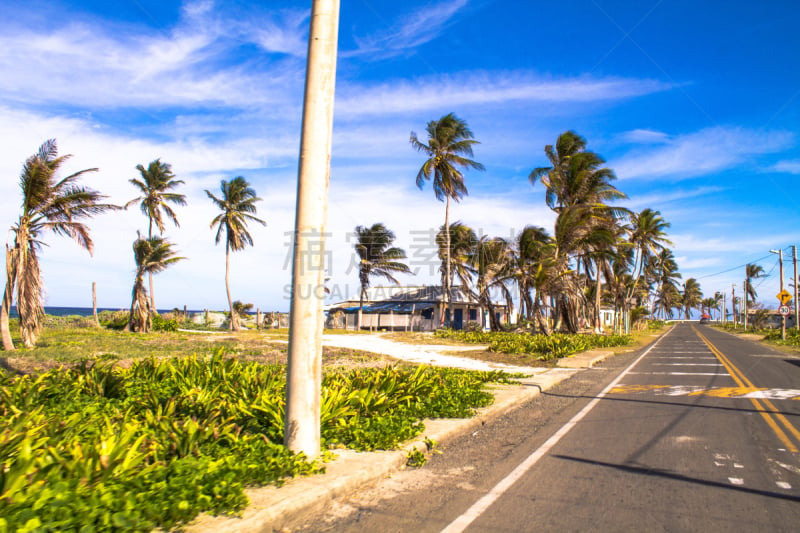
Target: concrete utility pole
{"points": [[780, 267], [733, 303], [724, 308], [304, 371], [796, 303]]}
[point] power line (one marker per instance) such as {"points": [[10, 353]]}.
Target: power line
{"points": [[734, 268]]}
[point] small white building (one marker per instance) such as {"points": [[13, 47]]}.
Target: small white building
{"points": [[415, 308]]}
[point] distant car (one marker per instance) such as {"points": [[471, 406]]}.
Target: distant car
{"points": [[704, 319]]}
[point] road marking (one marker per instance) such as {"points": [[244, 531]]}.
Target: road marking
{"points": [[770, 411], [679, 373], [783, 485], [716, 392], [687, 364], [736, 480], [790, 468], [682, 357], [478, 508]]}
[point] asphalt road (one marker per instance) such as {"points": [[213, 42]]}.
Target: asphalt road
{"points": [[700, 432]]}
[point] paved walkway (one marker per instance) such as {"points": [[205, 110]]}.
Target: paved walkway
{"points": [[429, 354]]}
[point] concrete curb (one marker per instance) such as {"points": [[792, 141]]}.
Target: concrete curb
{"points": [[274, 509], [585, 359]]}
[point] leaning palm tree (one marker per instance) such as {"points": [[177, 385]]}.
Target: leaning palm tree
{"points": [[157, 180], [449, 149], [752, 271], [377, 258], [47, 204], [152, 255], [579, 188], [241, 308], [238, 206]]}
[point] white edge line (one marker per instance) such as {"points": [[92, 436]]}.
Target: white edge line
{"points": [[478, 508]]}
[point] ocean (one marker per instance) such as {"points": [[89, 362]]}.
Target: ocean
{"points": [[87, 311]]}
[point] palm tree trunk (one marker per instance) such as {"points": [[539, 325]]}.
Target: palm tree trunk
{"points": [[152, 296], [360, 307], [5, 307], [150, 274], [446, 296], [233, 324], [598, 327]]}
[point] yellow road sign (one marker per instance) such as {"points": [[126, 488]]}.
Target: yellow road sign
{"points": [[784, 296]]}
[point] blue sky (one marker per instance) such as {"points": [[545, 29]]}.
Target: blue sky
{"points": [[695, 105]]}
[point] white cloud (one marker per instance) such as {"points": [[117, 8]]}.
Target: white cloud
{"points": [[788, 166], [644, 136], [474, 88], [413, 30], [700, 153], [656, 200]]}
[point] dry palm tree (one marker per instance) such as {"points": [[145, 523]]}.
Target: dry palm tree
{"points": [[238, 206], [47, 204], [152, 255], [157, 180], [377, 258], [449, 149]]}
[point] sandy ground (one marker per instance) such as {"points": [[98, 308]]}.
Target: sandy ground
{"points": [[429, 354]]}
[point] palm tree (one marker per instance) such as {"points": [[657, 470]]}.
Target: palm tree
{"points": [[578, 188], [667, 276], [707, 304], [692, 296], [492, 265], [752, 271], [47, 204], [157, 180], [648, 238], [238, 206], [576, 177], [241, 308], [449, 148], [377, 258], [528, 251], [462, 245], [152, 255]]}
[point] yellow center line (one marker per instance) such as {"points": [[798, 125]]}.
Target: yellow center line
{"points": [[770, 410]]}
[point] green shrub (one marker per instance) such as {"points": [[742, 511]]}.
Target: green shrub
{"points": [[97, 447], [545, 346]]}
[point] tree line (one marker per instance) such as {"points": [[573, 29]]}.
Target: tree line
{"points": [[62, 206], [599, 254]]}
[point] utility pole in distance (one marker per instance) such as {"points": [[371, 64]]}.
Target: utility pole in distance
{"points": [[744, 302], [304, 370], [733, 303], [794, 282], [780, 265]]}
